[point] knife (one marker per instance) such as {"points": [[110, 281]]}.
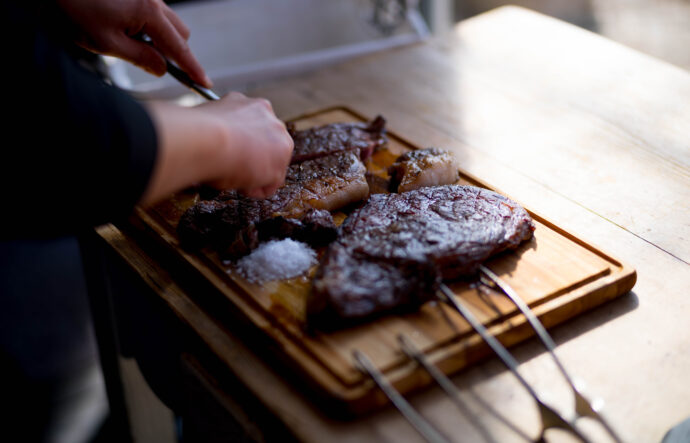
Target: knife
{"points": [[179, 74]]}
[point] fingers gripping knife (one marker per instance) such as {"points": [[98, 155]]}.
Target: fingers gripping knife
{"points": [[549, 417]]}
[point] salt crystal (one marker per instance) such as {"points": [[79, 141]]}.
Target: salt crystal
{"points": [[277, 260]]}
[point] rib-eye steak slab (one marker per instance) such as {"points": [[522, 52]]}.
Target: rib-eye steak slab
{"points": [[393, 251]]}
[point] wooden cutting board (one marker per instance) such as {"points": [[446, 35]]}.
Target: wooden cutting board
{"points": [[557, 274]]}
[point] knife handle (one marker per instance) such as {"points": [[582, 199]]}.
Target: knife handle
{"points": [[178, 73]]}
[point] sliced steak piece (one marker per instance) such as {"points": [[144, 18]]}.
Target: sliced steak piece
{"points": [[198, 224], [407, 243], [329, 182], [316, 228], [361, 138], [233, 224], [423, 167], [218, 223]]}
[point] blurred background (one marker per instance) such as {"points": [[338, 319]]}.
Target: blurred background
{"points": [[242, 43], [660, 28]]}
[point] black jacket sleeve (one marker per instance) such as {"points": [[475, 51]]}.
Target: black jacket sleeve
{"points": [[77, 152]]}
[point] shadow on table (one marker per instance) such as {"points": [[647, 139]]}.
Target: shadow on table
{"points": [[473, 407]]}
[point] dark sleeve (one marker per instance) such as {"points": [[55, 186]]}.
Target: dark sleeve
{"points": [[77, 151]]}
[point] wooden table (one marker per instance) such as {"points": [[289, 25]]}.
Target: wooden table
{"points": [[589, 134]]}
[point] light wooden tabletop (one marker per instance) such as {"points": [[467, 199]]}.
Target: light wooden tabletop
{"points": [[593, 136], [589, 134]]}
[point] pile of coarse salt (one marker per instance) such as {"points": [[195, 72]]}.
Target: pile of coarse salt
{"points": [[277, 260]]}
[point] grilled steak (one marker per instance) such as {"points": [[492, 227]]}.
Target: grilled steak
{"points": [[393, 251], [361, 138], [351, 287], [423, 167], [329, 182], [315, 228], [234, 225], [326, 173], [198, 224]]}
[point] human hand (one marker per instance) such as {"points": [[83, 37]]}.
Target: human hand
{"points": [[233, 143], [258, 147], [108, 27]]}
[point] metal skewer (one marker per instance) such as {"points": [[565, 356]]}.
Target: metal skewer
{"points": [[583, 407], [422, 426], [549, 417]]}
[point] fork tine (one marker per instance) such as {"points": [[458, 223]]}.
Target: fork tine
{"points": [[583, 407], [422, 426], [549, 417], [447, 385], [529, 314]]}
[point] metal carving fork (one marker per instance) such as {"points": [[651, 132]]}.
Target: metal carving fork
{"points": [[583, 406], [549, 417]]}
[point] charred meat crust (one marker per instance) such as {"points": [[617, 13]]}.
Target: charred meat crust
{"points": [[198, 223], [329, 182], [351, 288], [320, 141], [234, 225], [234, 228], [409, 242], [459, 224], [316, 228], [423, 167]]}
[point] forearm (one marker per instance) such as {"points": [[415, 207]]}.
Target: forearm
{"points": [[236, 142], [88, 153], [84, 151], [188, 144]]}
